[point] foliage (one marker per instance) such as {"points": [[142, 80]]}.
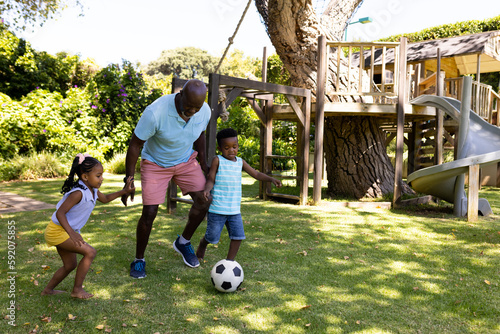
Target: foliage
{"points": [[492, 79], [312, 269], [449, 30], [278, 74], [276, 71], [23, 69], [116, 164], [20, 14], [184, 63], [44, 121], [160, 81], [36, 166], [190, 62], [119, 96], [245, 121], [237, 65]]}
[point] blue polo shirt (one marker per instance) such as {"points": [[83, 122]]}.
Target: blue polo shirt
{"points": [[169, 139]]}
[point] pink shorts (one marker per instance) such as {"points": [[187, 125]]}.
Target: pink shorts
{"points": [[154, 179]]}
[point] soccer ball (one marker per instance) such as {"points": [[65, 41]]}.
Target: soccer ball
{"points": [[227, 275]]}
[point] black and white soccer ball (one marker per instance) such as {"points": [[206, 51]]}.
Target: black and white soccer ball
{"points": [[227, 275]]}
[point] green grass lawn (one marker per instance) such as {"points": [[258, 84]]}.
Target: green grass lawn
{"points": [[323, 269]]}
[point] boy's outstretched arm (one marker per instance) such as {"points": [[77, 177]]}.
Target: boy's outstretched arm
{"points": [[129, 187], [209, 185], [260, 176]]}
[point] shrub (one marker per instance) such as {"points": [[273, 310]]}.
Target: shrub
{"points": [[22, 68], [34, 166], [118, 98], [44, 121], [117, 164], [449, 30]]}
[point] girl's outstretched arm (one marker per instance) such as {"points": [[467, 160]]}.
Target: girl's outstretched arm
{"points": [[129, 188], [260, 176]]}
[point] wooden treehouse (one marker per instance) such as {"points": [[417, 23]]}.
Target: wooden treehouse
{"points": [[392, 74]]}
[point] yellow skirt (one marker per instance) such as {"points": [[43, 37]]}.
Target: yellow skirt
{"points": [[55, 234]]}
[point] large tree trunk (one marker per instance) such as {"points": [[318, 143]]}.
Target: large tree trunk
{"points": [[357, 164], [356, 159]]}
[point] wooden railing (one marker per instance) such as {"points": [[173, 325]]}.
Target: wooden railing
{"points": [[350, 81], [485, 101]]}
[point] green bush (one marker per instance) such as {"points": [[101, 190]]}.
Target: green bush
{"points": [[44, 121], [118, 98], [116, 165], [23, 69], [449, 30], [34, 166]]}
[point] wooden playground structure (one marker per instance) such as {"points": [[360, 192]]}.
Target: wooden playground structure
{"points": [[375, 79]]}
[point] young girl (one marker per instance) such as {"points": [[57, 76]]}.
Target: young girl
{"points": [[72, 213]]}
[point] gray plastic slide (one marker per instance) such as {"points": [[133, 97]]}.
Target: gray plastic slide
{"points": [[482, 147]]}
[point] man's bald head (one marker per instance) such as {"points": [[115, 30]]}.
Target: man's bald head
{"points": [[195, 88], [192, 97]]}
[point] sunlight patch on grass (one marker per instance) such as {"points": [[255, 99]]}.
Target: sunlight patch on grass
{"points": [[374, 330], [103, 293], [262, 319], [388, 292], [296, 304], [332, 319], [222, 329], [194, 303], [399, 267], [432, 287]]}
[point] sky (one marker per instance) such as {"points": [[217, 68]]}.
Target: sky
{"points": [[138, 31]]}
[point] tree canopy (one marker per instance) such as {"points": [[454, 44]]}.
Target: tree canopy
{"points": [[20, 14], [184, 62]]}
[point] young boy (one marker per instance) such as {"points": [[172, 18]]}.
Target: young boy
{"points": [[224, 180]]}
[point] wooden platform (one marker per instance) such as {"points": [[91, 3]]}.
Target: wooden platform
{"points": [[412, 112]]}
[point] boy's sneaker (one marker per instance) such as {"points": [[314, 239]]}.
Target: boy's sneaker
{"points": [[138, 269], [187, 253]]}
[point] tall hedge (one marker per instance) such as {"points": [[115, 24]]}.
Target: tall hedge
{"points": [[449, 30]]}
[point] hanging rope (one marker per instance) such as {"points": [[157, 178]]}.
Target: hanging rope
{"points": [[231, 39], [224, 114]]}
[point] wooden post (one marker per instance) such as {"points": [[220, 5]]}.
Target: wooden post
{"points": [[264, 65], [412, 148], [473, 201], [463, 131], [398, 173], [320, 119], [477, 107], [261, 127], [438, 152], [213, 102], [268, 146], [306, 108]]}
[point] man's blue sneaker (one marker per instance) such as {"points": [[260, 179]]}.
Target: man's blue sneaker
{"points": [[187, 253], [138, 269]]}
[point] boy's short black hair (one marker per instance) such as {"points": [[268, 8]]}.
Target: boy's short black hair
{"points": [[226, 133]]}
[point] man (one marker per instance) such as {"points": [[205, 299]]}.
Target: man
{"points": [[165, 133]]}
